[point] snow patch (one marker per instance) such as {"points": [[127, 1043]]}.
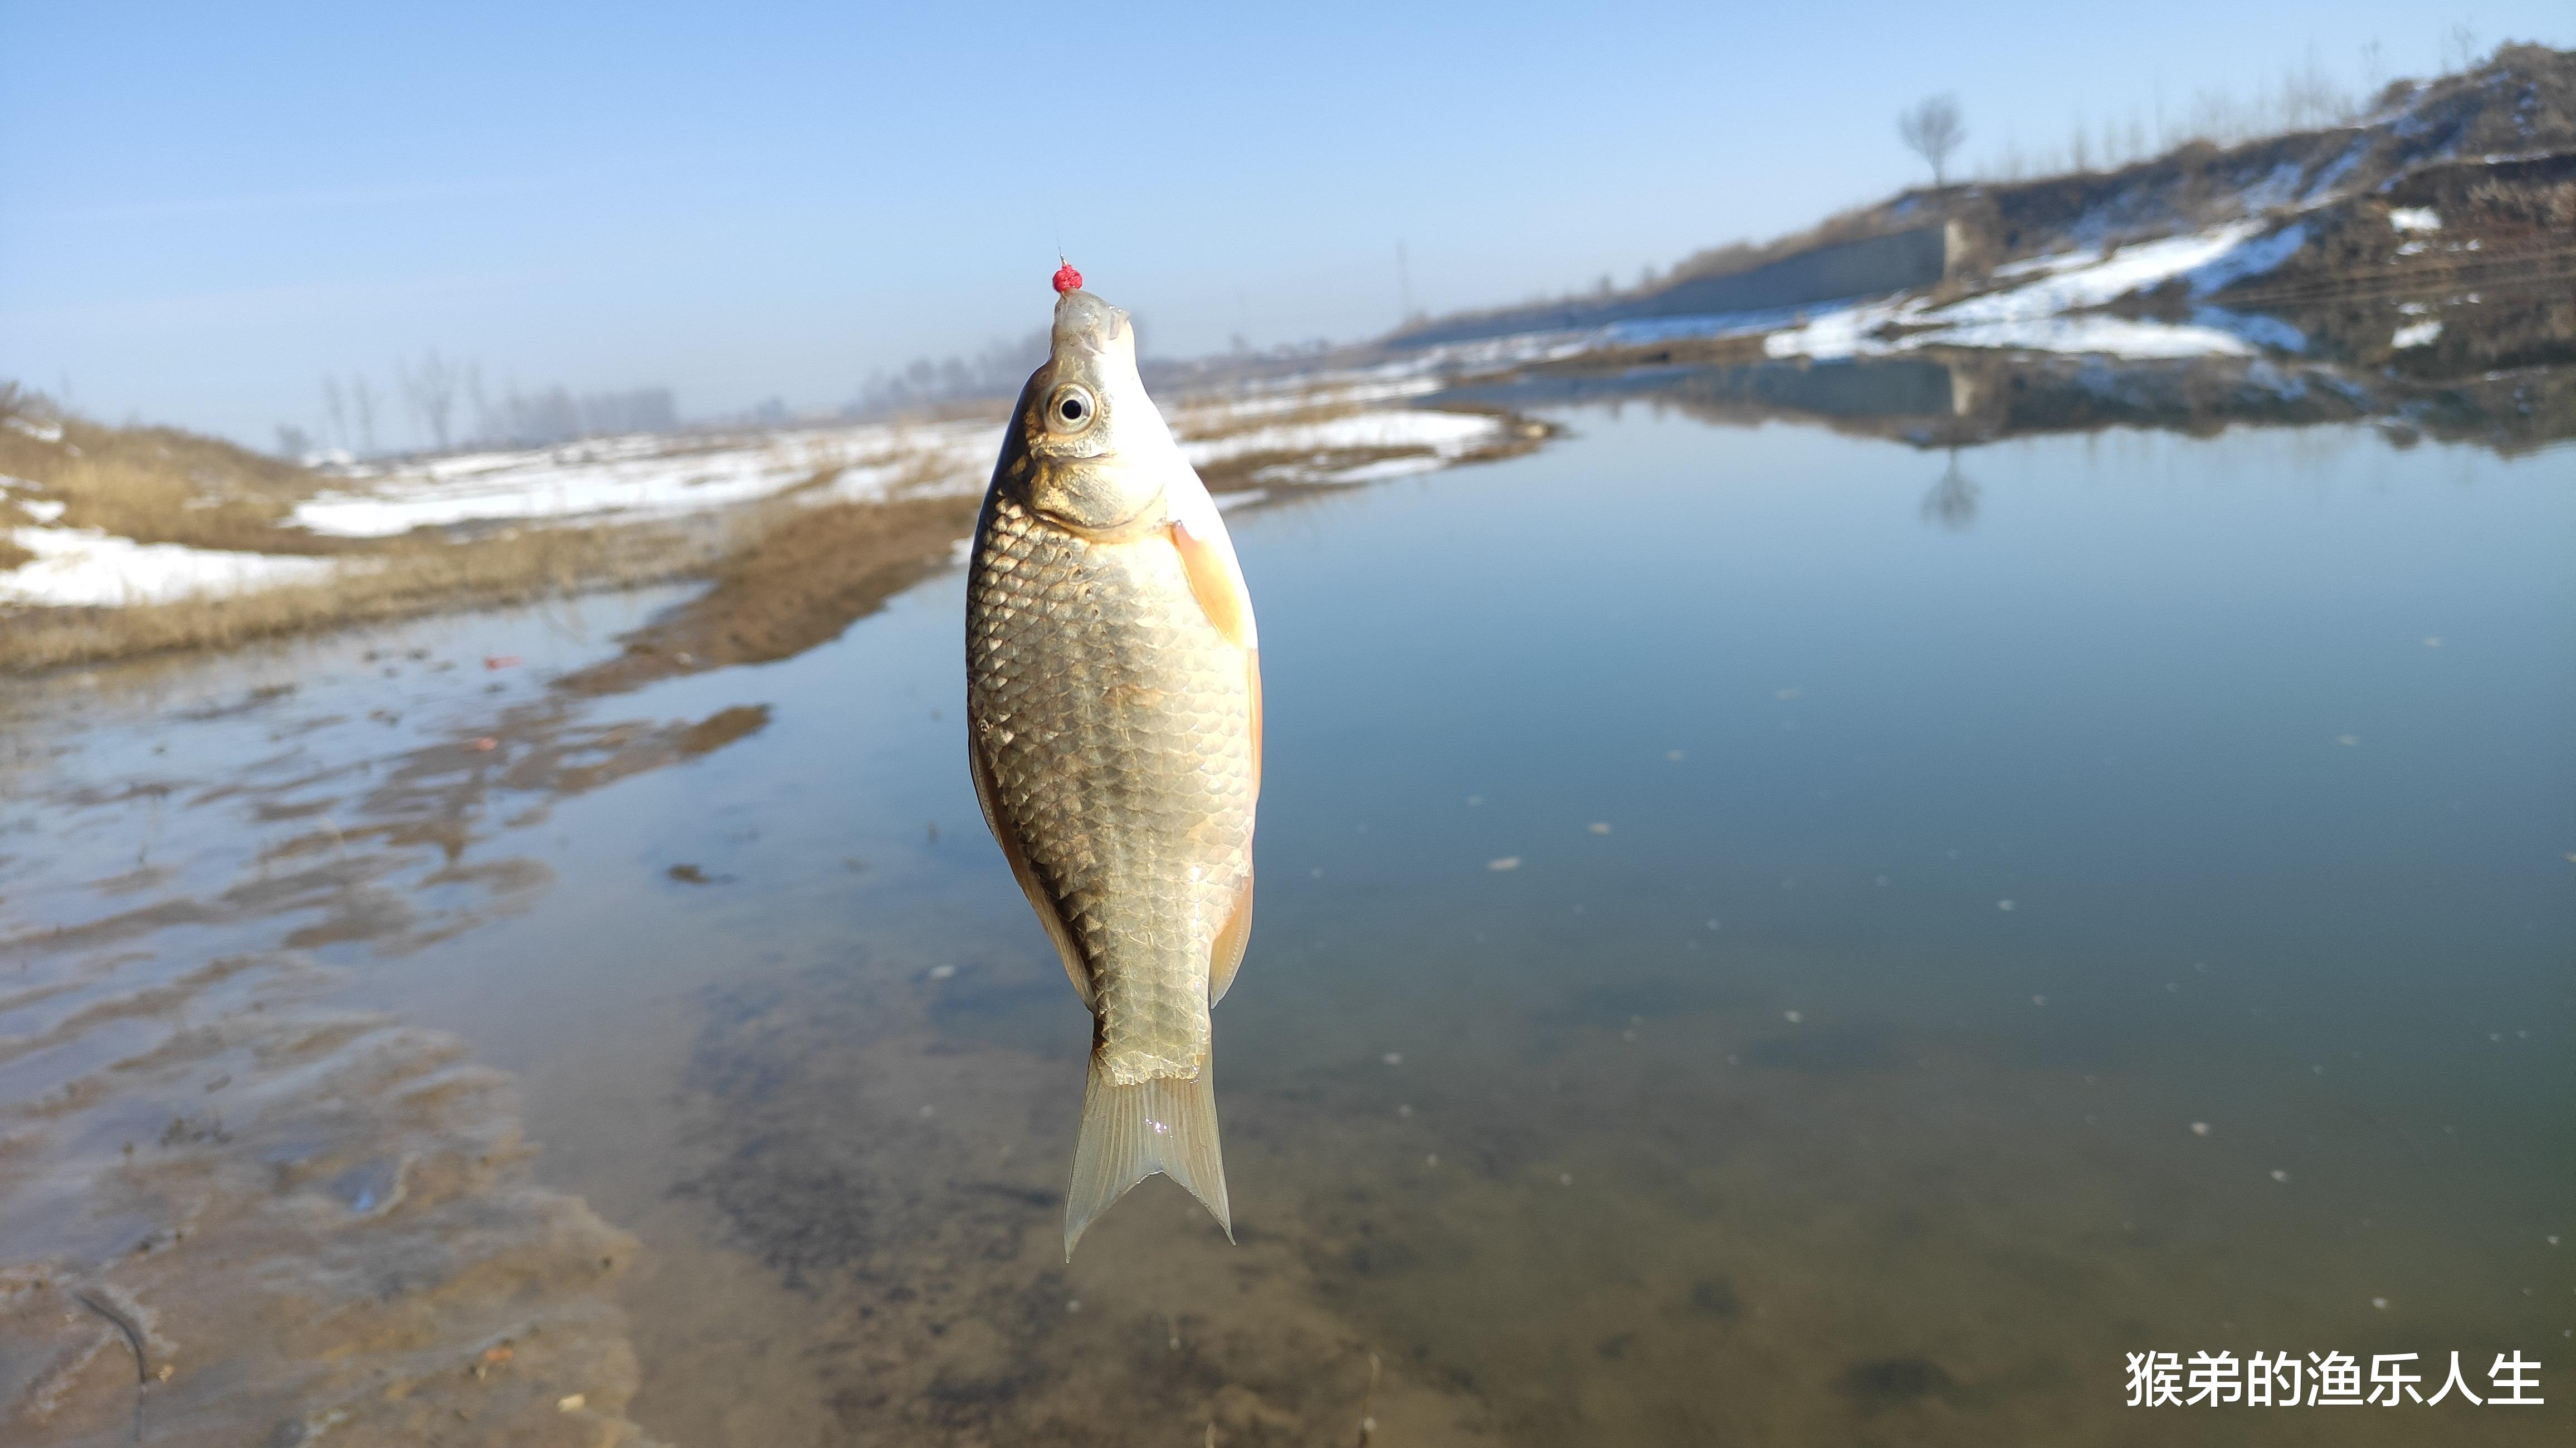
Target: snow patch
{"points": [[2414, 218], [1441, 435], [43, 510], [2094, 332], [2094, 278], [1851, 331], [2275, 189], [1201, 415], [2247, 259], [2333, 174], [2419, 334], [88, 567], [2048, 312], [2253, 327], [641, 478]]}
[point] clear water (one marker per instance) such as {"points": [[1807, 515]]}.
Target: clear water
{"points": [[1965, 929]]}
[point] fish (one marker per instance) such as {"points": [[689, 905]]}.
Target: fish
{"points": [[1113, 706]]}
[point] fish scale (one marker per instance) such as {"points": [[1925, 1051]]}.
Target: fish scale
{"points": [[1133, 806]]}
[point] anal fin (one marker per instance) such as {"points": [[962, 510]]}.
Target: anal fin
{"points": [[1226, 956]]}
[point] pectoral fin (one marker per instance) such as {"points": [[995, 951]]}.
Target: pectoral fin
{"points": [[1252, 670], [1075, 967], [1216, 580]]}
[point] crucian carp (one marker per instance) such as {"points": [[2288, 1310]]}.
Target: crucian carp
{"points": [[1114, 723]]}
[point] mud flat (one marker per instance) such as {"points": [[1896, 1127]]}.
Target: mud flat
{"points": [[233, 1208]]}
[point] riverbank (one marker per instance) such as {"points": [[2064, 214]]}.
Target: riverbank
{"points": [[128, 541]]}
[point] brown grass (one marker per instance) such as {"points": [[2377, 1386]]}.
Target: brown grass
{"points": [[161, 484]]}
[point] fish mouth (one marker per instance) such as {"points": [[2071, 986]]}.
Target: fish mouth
{"points": [[1085, 323]]}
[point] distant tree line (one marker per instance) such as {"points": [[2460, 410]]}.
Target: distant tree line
{"points": [[557, 415], [437, 395], [1003, 364], [996, 371]]}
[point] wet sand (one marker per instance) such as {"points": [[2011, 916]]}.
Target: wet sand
{"points": [[240, 1209]]}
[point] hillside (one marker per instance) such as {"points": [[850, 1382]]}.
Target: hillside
{"points": [[2381, 242]]}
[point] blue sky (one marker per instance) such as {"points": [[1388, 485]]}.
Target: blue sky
{"points": [[203, 209]]}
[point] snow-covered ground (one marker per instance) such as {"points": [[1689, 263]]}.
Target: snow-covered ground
{"points": [[640, 478], [2049, 311], [1304, 430], [84, 566], [632, 479], [2046, 309], [1203, 415], [1437, 437]]}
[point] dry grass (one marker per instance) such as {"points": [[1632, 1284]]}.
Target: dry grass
{"points": [[158, 484], [2550, 209]]}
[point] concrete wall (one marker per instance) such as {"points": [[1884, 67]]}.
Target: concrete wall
{"points": [[1868, 267], [1892, 263]]}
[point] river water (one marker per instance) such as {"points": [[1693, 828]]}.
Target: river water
{"points": [[1764, 935]]}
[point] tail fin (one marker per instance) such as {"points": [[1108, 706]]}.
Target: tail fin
{"points": [[1163, 1124]]}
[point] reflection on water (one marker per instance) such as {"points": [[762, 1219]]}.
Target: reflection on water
{"points": [[1955, 398], [1940, 961], [1952, 503]]}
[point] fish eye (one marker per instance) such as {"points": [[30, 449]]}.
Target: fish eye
{"points": [[1071, 409]]}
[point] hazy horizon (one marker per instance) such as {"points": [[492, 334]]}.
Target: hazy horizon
{"points": [[208, 214]]}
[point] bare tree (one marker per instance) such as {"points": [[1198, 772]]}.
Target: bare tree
{"points": [[1932, 130], [362, 397], [1952, 503], [2460, 48], [430, 389], [474, 398], [336, 408]]}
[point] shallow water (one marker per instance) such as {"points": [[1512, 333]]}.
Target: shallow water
{"points": [[1971, 920]]}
